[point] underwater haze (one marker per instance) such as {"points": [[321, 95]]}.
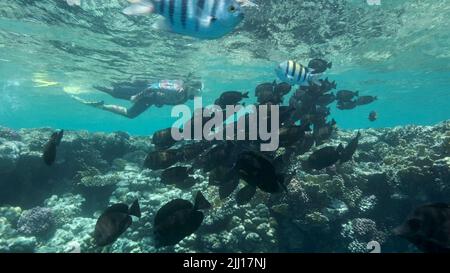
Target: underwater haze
{"points": [[361, 167]]}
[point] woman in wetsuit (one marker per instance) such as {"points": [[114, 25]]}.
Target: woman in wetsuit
{"points": [[164, 92]]}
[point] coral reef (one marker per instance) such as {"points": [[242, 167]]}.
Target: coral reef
{"points": [[338, 209], [36, 221]]}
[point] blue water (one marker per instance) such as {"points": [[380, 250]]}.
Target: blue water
{"points": [[405, 63]]}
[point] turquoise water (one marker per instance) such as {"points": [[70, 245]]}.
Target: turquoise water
{"points": [[398, 51]]}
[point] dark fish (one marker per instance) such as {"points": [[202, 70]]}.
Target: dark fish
{"points": [[306, 144], [265, 87], [346, 95], [350, 149], [266, 93], [191, 151], [231, 98], [282, 89], [286, 114], [178, 219], [319, 65], [324, 157], [322, 111], [326, 99], [200, 116], [373, 116], [258, 172], [327, 85], [289, 135], [178, 176], [245, 194], [49, 154], [114, 221], [163, 138], [217, 175], [324, 131], [428, 228], [346, 105], [157, 160], [218, 155], [364, 100]]}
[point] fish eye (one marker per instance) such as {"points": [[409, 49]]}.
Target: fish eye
{"points": [[231, 8]]}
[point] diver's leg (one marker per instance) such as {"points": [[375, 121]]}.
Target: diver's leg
{"points": [[106, 90], [132, 112], [137, 109], [116, 109]]}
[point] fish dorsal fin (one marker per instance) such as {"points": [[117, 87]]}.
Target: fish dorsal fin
{"points": [[201, 202], [170, 208], [122, 208], [135, 209]]}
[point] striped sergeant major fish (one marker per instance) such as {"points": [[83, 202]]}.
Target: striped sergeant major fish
{"points": [[294, 73], [204, 19]]}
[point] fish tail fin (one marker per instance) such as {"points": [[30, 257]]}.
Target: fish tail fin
{"points": [[330, 65], [227, 187], [340, 148], [135, 209], [315, 78], [245, 95], [282, 181], [201, 202], [245, 194], [357, 93], [59, 137], [139, 7]]}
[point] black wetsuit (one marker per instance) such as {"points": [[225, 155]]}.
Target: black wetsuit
{"points": [[124, 90]]}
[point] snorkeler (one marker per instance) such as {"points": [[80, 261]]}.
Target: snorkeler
{"points": [[144, 95]]}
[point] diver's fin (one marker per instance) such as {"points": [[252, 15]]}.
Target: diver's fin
{"points": [[245, 194], [135, 209], [90, 103], [139, 7], [201, 202]]}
